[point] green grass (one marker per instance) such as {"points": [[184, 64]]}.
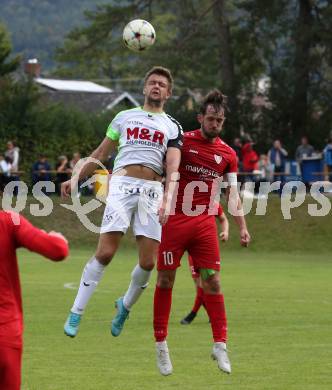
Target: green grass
{"points": [[280, 320]]}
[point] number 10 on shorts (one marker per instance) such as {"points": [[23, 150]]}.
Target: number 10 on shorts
{"points": [[168, 258]]}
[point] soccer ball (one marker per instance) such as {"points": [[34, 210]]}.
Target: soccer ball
{"points": [[139, 35]]}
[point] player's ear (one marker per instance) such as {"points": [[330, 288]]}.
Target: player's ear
{"points": [[169, 93], [200, 118]]}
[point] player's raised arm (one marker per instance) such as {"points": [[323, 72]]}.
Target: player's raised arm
{"points": [[89, 165]]}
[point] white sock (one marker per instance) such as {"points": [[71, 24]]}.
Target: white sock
{"points": [[92, 273], [139, 281]]}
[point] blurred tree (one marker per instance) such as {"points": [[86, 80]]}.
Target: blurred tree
{"points": [[230, 87], [7, 65], [303, 34], [38, 27], [194, 39], [293, 39]]}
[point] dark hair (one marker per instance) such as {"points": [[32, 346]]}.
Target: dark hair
{"points": [[160, 71], [216, 99]]}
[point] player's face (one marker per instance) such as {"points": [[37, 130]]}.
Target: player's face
{"points": [[156, 90], [211, 122]]}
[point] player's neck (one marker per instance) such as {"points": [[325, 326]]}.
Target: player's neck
{"points": [[153, 108]]}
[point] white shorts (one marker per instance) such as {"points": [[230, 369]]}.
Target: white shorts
{"points": [[130, 197]]}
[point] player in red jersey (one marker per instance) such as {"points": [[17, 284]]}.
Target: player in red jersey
{"points": [[16, 232], [205, 160], [221, 216]]}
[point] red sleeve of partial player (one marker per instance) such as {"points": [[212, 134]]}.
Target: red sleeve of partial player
{"points": [[220, 210], [36, 240]]}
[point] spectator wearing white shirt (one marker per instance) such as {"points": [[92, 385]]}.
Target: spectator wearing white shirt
{"points": [[13, 152], [5, 169]]}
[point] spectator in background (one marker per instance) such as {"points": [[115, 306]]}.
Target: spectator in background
{"points": [[41, 170], [13, 152], [5, 165], [249, 160], [327, 156], [265, 168], [237, 146], [63, 172], [304, 150], [73, 162], [5, 169], [277, 158], [76, 158]]}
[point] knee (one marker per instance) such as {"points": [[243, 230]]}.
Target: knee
{"points": [[104, 256], [211, 286], [165, 281], [147, 265]]}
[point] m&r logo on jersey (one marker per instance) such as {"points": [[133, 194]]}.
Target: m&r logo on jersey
{"points": [[145, 134]]}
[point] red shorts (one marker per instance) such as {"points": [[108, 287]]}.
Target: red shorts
{"points": [[10, 368], [196, 235]]}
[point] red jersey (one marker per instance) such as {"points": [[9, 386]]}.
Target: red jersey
{"points": [[249, 158], [16, 232], [202, 163]]}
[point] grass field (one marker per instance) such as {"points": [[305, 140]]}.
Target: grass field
{"points": [[280, 327]]}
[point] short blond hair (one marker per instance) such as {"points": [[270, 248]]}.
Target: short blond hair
{"points": [[160, 71]]}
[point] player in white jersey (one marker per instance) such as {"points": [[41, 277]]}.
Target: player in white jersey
{"points": [[146, 138]]}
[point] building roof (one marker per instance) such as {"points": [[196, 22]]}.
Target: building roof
{"points": [[91, 102], [85, 95], [120, 97], [72, 85]]}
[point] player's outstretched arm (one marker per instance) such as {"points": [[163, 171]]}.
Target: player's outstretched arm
{"points": [[173, 158], [86, 167], [51, 245]]}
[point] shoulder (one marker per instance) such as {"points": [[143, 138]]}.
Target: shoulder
{"points": [[226, 148], [175, 128], [191, 135], [176, 124]]}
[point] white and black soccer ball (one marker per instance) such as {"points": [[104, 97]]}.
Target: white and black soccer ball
{"points": [[139, 35]]}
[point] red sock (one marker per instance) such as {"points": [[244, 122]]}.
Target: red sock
{"points": [[198, 300], [215, 308], [161, 311]]}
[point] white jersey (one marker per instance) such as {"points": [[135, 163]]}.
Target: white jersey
{"points": [[144, 138]]}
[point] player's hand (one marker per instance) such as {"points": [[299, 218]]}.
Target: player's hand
{"points": [[244, 237], [163, 217], [59, 235], [223, 236], [66, 188], [163, 211]]}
